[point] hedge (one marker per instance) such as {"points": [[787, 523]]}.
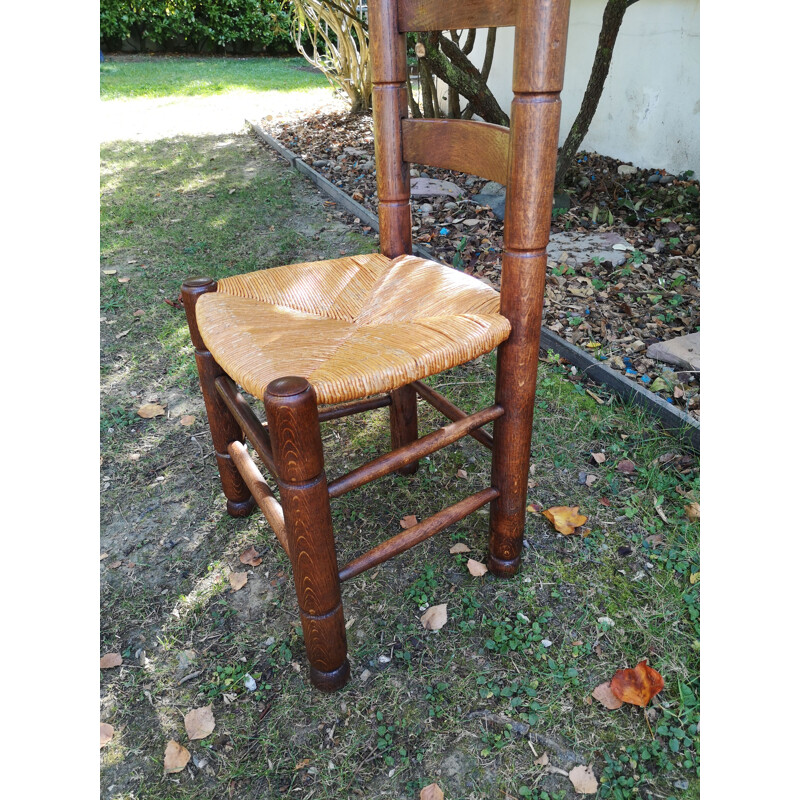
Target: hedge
{"points": [[195, 25]]}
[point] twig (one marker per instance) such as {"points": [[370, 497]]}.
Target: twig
{"points": [[190, 676]]}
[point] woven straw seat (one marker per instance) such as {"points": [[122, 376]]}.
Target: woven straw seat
{"points": [[353, 327]]}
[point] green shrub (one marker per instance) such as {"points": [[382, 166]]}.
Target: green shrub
{"points": [[196, 24]]}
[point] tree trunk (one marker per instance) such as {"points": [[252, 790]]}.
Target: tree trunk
{"points": [[612, 20]]}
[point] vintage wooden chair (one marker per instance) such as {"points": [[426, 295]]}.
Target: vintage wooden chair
{"points": [[362, 332]]}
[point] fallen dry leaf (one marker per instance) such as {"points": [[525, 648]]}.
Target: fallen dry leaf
{"points": [[103, 555], [637, 686], [123, 333], [138, 313], [199, 722], [459, 548], [606, 697], [626, 466], [655, 539], [106, 732], [565, 519], [251, 557], [543, 760], [123, 280], [599, 458], [188, 419], [176, 757], [110, 660], [115, 565], [583, 779], [434, 618], [694, 577], [693, 511], [431, 792], [533, 508], [150, 410], [590, 479], [476, 569], [408, 521], [109, 272], [237, 579], [461, 473]]}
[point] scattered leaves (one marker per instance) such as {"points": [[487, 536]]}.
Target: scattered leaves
{"points": [[251, 557], [476, 568], [434, 618], [432, 790], [188, 419], [565, 519], [408, 521], [583, 779], [637, 686], [110, 660], [693, 511], [459, 548], [238, 580], [199, 722], [176, 757], [606, 697], [106, 733], [150, 410]]}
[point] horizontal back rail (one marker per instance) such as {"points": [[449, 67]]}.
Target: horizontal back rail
{"points": [[477, 148], [445, 15], [419, 448], [416, 534]]}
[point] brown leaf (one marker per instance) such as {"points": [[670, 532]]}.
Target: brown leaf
{"points": [[460, 548], [599, 458], [138, 313], [692, 511], [237, 579], [583, 779], [606, 697], [590, 479], [199, 722], [123, 280], [637, 686], [409, 521], [565, 519], [150, 410], [187, 419], [115, 565], [626, 466], [176, 757], [103, 555], [434, 618], [461, 473], [543, 760], [476, 568], [110, 660], [432, 790], [251, 557], [655, 539], [106, 732]]}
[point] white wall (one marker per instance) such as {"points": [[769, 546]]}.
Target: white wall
{"points": [[649, 113]]}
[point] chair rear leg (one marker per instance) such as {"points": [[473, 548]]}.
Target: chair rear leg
{"points": [[297, 447], [224, 428], [403, 423]]}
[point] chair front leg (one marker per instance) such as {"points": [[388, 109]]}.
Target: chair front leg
{"points": [[224, 427], [403, 423], [297, 448]]}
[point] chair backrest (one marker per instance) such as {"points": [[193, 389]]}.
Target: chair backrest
{"points": [[522, 156]]}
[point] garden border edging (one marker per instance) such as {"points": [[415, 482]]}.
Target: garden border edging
{"points": [[672, 419]]}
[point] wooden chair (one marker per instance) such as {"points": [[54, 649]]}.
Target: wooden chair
{"points": [[361, 332]]}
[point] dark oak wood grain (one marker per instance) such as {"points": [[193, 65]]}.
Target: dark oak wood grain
{"points": [[443, 15], [391, 462], [403, 423], [224, 427], [356, 407], [416, 534], [297, 447], [463, 145]]}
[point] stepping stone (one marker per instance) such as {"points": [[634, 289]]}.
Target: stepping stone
{"points": [[431, 187], [583, 247], [684, 351]]}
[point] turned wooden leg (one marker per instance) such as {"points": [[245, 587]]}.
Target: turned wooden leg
{"points": [[403, 422], [517, 360], [297, 448], [224, 427]]}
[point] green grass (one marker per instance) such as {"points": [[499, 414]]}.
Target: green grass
{"points": [[165, 76], [526, 651]]}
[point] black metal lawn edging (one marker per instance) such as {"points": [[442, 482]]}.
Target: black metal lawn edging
{"points": [[672, 419]]}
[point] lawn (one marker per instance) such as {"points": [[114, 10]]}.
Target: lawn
{"points": [[472, 706], [127, 77]]}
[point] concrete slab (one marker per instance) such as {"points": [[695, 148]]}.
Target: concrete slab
{"points": [[683, 351]]}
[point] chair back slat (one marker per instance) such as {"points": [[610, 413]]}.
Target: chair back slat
{"points": [[477, 148], [443, 15]]}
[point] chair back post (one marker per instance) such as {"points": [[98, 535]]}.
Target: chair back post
{"points": [[390, 105], [539, 53]]}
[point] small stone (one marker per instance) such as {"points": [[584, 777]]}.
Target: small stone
{"points": [[426, 208], [546, 643], [582, 478], [493, 187], [626, 169], [584, 182], [683, 351], [365, 674], [654, 178], [320, 162], [666, 179], [682, 784]]}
